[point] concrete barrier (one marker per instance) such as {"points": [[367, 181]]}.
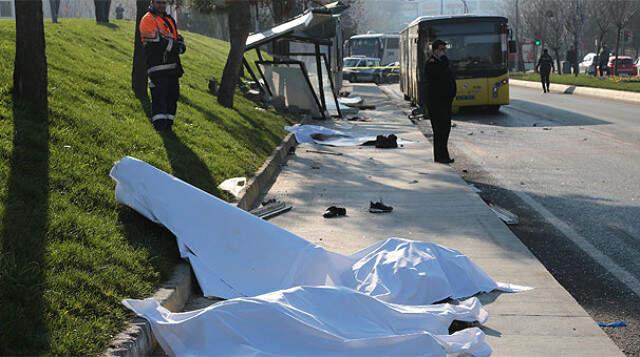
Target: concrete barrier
{"points": [[632, 97]]}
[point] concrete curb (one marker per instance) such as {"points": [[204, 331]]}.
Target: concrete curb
{"points": [[610, 94], [266, 175], [137, 339]]}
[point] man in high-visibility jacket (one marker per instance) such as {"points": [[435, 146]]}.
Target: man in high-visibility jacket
{"points": [[162, 48]]}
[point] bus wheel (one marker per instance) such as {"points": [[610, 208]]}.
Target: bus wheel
{"points": [[494, 109]]}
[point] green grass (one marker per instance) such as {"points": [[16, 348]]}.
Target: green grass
{"points": [[68, 252], [625, 84]]}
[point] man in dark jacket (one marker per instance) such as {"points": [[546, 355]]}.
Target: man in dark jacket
{"points": [[162, 48], [440, 92], [544, 67], [603, 61]]}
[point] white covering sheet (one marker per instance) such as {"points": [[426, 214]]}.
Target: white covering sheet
{"points": [[316, 321], [315, 134], [233, 253]]}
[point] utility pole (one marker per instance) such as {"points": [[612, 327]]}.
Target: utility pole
{"points": [[441, 7]]}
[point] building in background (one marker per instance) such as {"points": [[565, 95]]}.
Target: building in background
{"points": [[6, 9]]}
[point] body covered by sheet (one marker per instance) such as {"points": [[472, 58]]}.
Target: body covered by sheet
{"points": [[233, 253], [316, 321], [315, 134]]}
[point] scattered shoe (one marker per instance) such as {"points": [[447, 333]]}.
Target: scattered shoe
{"points": [[387, 142], [379, 207], [333, 212]]}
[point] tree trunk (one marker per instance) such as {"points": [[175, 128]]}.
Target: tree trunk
{"points": [[556, 51], [55, 8], [102, 8], [281, 10], [30, 67], [239, 27], [139, 68]]}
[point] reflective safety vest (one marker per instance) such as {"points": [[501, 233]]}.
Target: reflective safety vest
{"points": [[159, 35]]}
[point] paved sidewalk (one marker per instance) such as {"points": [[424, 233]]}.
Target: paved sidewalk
{"points": [[432, 203]]}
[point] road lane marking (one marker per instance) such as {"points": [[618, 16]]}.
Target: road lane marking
{"points": [[607, 263]]}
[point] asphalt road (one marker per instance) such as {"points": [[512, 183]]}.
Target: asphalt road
{"points": [[569, 166]]}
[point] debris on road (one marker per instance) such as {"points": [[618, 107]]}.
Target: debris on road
{"points": [[333, 212], [615, 324], [271, 209], [504, 215], [325, 152], [235, 186]]}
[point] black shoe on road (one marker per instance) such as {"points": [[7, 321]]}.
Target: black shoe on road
{"points": [[333, 212], [379, 207]]}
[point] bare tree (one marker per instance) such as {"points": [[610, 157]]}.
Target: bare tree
{"points": [[281, 10], [599, 16], [575, 15], [54, 5], [102, 8], [239, 15], [621, 13], [30, 67], [239, 12]]}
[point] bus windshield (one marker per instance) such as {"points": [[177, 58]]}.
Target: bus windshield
{"points": [[473, 49], [365, 47]]}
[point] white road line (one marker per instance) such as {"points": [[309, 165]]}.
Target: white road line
{"points": [[616, 270]]}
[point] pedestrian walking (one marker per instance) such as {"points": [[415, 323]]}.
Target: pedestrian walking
{"points": [[440, 92], [603, 61], [162, 47], [572, 58], [544, 67]]}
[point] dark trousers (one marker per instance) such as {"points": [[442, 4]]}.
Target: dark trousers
{"points": [[165, 91], [545, 78], [440, 116]]}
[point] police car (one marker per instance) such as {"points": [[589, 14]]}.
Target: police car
{"points": [[362, 69]]}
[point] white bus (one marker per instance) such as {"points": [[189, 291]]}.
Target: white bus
{"points": [[386, 47]]}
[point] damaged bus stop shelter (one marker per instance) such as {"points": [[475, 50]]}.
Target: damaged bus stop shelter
{"points": [[314, 34]]}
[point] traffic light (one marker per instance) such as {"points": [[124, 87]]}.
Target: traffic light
{"points": [[538, 41]]}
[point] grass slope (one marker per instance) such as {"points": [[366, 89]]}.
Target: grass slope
{"points": [[68, 252], [625, 84]]}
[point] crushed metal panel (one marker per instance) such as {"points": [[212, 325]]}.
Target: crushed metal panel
{"points": [[289, 82]]}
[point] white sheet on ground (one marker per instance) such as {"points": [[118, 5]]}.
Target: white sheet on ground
{"points": [[315, 134], [350, 101], [316, 321], [234, 253]]}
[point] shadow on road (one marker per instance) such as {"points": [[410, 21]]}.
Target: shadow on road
{"points": [[23, 328], [521, 113]]}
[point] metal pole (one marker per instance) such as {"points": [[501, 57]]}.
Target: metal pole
{"points": [[441, 7]]}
